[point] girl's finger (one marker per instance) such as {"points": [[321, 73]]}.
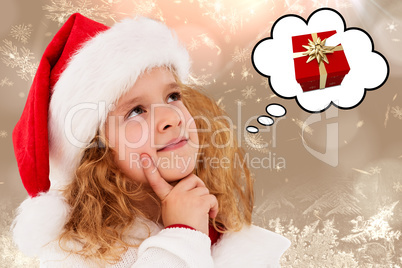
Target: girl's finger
{"points": [[189, 183], [158, 184], [214, 206]]}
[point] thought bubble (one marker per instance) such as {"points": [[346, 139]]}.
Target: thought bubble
{"points": [[273, 109], [273, 57]]}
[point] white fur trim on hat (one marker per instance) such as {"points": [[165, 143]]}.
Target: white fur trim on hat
{"points": [[40, 220], [105, 68]]}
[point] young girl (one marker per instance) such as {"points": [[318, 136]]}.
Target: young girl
{"points": [[113, 149]]}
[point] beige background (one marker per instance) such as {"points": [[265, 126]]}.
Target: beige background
{"points": [[343, 216]]}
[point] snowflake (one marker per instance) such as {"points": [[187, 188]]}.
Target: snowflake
{"points": [[397, 112], [230, 90], [3, 134], [21, 32], [245, 73], [344, 4], [239, 102], [206, 40], [311, 246], [111, 2], [249, 92], [265, 82], [6, 82], [233, 20], [386, 116], [317, 4], [201, 80], [297, 8], [375, 170], [240, 55], [391, 27], [220, 103], [61, 10], [397, 186], [194, 44], [144, 7], [214, 10], [258, 100], [300, 124], [13, 59], [256, 142], [232, 74], [11, 256], [377, 227]]}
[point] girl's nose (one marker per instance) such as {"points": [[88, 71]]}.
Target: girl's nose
{"points": [[167, 116]]}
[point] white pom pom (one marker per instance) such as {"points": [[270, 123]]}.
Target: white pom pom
{"points": [[39, 220]]}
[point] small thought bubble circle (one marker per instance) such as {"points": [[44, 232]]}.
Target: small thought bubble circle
{"points": [[265, 120], [252, 129], [276, 110], [273, 109]]}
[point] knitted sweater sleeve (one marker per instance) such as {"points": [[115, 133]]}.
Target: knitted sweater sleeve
{"points": [[173, 247]]}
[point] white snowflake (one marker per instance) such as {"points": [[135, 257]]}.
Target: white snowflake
{"points": [[241, 55], [230, 90], [61, 10], [202, 80], [265, 82], [256, 142], [3, 134], [194, 44], [111, 2], [144, 7], [6, 82], [21, 32], [297, 8], [233, 20], [318, 4], [397, 112], [344, 4], [246, 72], [397, 186], [11, 57], [301, 125], [375, 170], [391, 27], [239, 102], [248, 92]]}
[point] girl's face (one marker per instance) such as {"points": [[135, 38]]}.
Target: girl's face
{"points": [[149, 117]]}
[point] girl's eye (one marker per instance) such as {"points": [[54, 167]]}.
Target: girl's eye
{"points": [[176, 96], [135, 111]]}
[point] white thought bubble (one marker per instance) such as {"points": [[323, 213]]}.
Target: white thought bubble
{"points": [[273, 57]]}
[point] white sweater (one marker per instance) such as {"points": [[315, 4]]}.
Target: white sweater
{"points": [[182, 247]]}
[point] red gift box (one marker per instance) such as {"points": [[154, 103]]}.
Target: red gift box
{"points": [[315, 75]]}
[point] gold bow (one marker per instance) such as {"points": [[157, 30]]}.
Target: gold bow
{"points": [[317, 50]]}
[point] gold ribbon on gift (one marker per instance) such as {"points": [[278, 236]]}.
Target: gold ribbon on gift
{"points": [[317, 49]]}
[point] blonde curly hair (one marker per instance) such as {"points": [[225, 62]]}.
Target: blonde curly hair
{"points": [[104, 202]]}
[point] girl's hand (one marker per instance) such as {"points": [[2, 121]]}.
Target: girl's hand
{"points": [[188, 202]]}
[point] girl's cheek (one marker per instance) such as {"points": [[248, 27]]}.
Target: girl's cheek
{"points": [[135, 135]]}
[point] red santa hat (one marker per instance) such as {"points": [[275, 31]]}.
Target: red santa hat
{"points": [[84, 70]]}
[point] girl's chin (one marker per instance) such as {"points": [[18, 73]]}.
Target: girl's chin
{"points": [[172, 175]]}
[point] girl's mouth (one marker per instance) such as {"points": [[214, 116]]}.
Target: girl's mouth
{"points": [[174, 146]]}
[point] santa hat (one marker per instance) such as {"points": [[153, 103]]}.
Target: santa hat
{"points": [[84, 70]]}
